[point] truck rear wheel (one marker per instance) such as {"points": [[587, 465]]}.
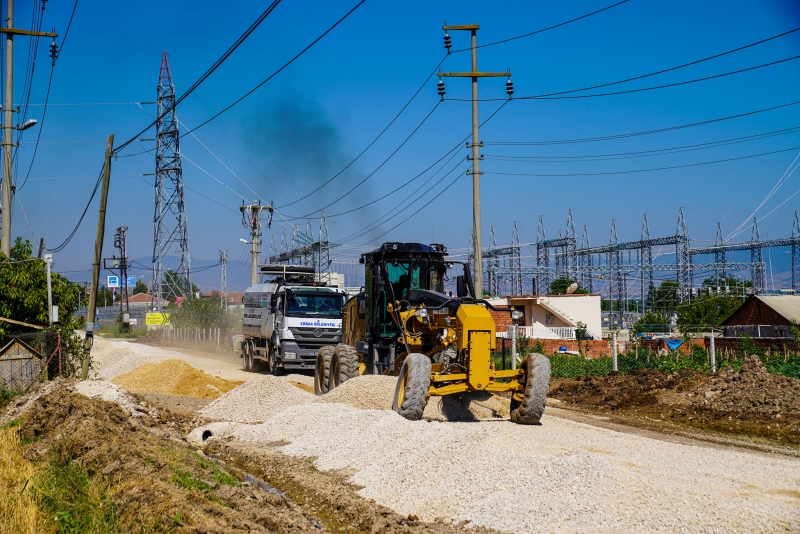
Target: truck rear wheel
{"points": [[246, 356], [272, 362], [413, 383], [322, 370], [344, 366], [537, 384]]}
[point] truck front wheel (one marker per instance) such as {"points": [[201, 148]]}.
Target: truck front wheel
{"points": [[322, 370], [344, 366]]}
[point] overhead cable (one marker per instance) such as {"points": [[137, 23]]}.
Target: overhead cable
{"points": [[373, 141], [636, 134], [646, 153], [565, 96], [251, 91], [545, 29], [242, 38], [649, 170]]}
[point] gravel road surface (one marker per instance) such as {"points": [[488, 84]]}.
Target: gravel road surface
{"points": [[562, 475]]}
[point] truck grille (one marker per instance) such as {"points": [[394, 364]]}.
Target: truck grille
{"points": [[306, 337]]}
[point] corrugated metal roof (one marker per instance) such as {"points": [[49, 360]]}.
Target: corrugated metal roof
{"points": [[786, 305]]}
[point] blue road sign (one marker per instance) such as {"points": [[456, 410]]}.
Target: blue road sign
{"points": [[113, 281], [131, 281]]}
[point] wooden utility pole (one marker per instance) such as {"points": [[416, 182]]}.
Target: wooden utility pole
{"points": [[476, 143], [98, 254], [8, 105]]}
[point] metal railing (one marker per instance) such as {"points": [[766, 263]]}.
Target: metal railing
{"points": [[543, 332]]}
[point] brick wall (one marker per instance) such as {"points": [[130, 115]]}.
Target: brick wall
{"points": [[502, 320], [754, 311], [597, 348]]}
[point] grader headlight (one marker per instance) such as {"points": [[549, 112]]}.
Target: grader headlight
{"points": [[422, 313], [516, 315]]}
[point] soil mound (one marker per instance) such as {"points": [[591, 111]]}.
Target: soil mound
{"points": [[174, 377], [750, 402], [256, 400]]}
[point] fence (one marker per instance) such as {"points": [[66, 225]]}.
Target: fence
{"points": [[37, 356], [215, 337], [695, 357]]}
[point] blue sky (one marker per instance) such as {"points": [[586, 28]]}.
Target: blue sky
{"points": [[306, 124]]}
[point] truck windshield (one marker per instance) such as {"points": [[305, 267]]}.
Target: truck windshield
{"points": [[327, 304]]}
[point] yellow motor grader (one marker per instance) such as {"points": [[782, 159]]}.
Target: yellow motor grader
{"points": [[403, 324]]}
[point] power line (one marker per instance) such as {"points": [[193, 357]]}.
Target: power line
{"points": [[251, 91], [545, 29], [646, 153], [373, 141], [629, 91], [66, 241], [715, 56], [359, 184], [47, 95], [637, 134], [208, 72], [649, 170]]}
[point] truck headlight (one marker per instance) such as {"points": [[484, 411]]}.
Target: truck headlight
{"points": [[516, 315], [421, 313], [289, 355]]}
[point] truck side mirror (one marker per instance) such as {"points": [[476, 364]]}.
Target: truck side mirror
{"points": [[461, 287]]}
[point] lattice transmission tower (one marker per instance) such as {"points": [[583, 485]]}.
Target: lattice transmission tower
{"points": [[171, 236]]}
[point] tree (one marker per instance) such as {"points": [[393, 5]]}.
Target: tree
{"points": [[173, 283], [559, 287], [23, 280], [730, 281], [664, 298], [707, 310], [201, 313], [651, 321], [140, 287]]}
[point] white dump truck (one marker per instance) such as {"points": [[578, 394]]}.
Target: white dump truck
{"points": [[288, 318]]}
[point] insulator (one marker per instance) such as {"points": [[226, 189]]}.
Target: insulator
{"points": [[53, 50], [510, 87], [447, 43], [440, 86]]}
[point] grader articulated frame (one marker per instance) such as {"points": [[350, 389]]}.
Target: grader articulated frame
{"points": [[403, 324]]}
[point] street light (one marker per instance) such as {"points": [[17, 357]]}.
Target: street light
{"points": [[245, 241], [30, 123]]}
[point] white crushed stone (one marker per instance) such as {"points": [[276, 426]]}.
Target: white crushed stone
{"points": [[256, 400], [367, 392], [105, 390], [109, 361], [557, 476]]}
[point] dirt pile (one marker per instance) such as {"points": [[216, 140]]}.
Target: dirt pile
{"points": [[750, 402], [256, 400], [174, 377]]}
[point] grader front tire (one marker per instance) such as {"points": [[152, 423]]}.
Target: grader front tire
{"points": [[322, 370], [537, 384], [344, 366], [413, 383]]}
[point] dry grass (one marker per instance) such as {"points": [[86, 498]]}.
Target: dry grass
{"points": [[18, 510]]}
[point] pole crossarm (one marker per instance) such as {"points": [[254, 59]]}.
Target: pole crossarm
{"points": [[17, 31], [466, 27], [474, 74], [296, 253]]}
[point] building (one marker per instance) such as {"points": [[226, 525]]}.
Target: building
{"points": [[552, 316], [764, 316]]}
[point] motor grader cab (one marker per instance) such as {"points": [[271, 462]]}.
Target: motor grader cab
{"points": [[404, 324]]}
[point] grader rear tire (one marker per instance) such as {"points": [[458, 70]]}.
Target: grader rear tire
{"points": [[413, 383], [322, 370], [537, 384], [344, 366]]}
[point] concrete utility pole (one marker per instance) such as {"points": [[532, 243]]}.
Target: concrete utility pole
{"points": [[8, 105], [98, 254], [251, 218], [476, 144], [48, 258]]}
